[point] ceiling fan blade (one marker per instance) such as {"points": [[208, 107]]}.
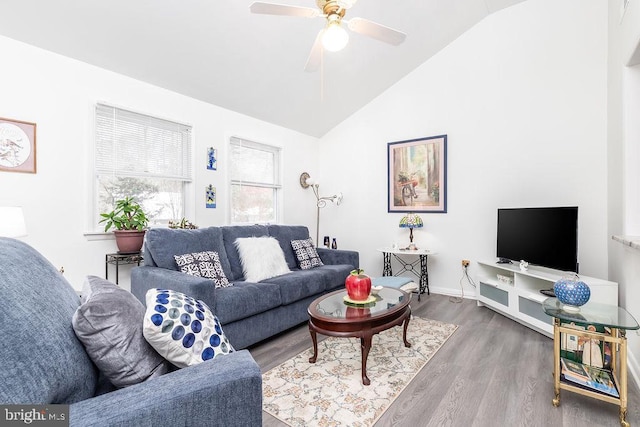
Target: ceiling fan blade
{"points": [[315, 56], [376, 31], [283, 9], [346, 4]]}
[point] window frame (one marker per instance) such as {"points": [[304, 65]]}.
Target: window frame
{"points": [[276, 151], [187, 179]]}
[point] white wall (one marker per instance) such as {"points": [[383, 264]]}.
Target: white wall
{"points": [[522, 98], [59, 95], [624, 148]]}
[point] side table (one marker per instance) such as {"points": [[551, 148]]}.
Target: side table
{"points": [[408, 265], [120, 258], [603, 317]]}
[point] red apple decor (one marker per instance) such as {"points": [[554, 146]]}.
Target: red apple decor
{"points": [[358, 285]]}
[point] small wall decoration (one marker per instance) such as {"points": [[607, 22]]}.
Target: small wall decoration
{"points": [[212, 159], [211, 196], [417, 175], [17, 146]]}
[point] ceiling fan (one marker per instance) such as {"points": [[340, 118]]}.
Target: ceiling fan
{"points": [[333, 37]]}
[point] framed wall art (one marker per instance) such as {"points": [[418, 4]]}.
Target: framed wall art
{"points": [[417, 175], [17, 146], [210, 197], [212, 159]]}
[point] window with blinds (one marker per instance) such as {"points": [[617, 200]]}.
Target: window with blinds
{"points": [[143, 157], [254, 182]]}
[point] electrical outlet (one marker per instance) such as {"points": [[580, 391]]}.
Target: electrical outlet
{"points": [[465, 263]]}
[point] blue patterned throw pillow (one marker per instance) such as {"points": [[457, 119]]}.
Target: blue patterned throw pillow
{"points": [[181, 329], [306, 254], [203, 264]]}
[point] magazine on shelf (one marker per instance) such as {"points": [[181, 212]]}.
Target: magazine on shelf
{"points": [[589, 377], [592, 351]]}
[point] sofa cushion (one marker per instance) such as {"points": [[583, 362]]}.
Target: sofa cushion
{"points": [[109, 324], [163, 243], [306, 254], [183, 330], [261, 258], [203, 264], [301, 284], [336, 274], [285, 234], [230, 234], [245, 299], [42, 359]]}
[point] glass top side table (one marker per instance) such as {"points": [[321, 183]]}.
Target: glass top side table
{"points": [[607, 317], [593, 313]]}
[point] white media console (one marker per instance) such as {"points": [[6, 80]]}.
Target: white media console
{"points": [[521, 299]]}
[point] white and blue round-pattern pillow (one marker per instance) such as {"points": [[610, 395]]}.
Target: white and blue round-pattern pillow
{"points": [[181, 329]]}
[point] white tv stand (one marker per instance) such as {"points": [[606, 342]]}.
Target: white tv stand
{"points": [[521, 300]]}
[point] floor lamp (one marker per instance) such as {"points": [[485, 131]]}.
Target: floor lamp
{"points": [[306, 181]]}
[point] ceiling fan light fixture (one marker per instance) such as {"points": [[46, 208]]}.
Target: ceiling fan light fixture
{"points": [[335, 37], [346, 4]]}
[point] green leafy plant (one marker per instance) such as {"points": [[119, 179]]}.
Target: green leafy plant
{"points": [[127, 215], [183, 223]]}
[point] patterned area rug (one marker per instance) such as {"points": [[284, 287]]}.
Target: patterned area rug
{"points": [[330, 392]]}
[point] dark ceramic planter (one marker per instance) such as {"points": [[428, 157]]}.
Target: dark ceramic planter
{"points": [[129, 241]]}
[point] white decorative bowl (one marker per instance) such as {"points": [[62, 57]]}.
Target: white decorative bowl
{"points": [[375, 290]]}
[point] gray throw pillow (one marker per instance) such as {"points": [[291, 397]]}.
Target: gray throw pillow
{"points": [[109, 325]]}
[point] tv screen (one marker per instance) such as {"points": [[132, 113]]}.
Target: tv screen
{"points": [[541, 236]]}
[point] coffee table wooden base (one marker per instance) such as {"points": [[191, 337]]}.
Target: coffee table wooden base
{"points": [[365, 330]]}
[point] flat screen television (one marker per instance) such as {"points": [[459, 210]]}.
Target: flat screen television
{"points": [[546, 237]]}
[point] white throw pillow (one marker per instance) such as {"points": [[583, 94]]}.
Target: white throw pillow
{"points": [[261, 258]]}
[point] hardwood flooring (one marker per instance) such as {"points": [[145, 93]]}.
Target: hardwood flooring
{"points": [[492, 372]]}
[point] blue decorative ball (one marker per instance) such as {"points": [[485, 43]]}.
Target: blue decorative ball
{"points": [[572, 291]]}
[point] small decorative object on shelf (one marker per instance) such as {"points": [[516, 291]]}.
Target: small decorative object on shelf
{"points": [[334, 244], [327, 243], [507, 280], [524, 265], [572, 292], [358, 285]]}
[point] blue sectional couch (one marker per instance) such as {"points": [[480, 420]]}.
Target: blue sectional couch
{"points": [[249, 312], [44, 363]]}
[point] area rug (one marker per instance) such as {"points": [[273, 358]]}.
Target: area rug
{"points": [[330, 391]]}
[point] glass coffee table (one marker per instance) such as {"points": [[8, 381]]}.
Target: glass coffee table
{"points": [[330, 315]]}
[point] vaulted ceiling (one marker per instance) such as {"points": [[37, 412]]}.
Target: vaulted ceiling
{"points": [[218, 52]]}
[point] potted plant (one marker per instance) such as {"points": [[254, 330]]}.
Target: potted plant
{"points": [[130, 223], [184, 223]]}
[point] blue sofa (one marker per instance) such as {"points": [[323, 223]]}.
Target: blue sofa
{"points": [[249, 312], [44, 363]]}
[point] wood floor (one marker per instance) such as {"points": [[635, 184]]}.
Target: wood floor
{"points": [[491, 372]]}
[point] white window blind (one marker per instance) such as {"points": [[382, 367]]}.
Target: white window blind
{"points": [[143, 157], [136, 145]]}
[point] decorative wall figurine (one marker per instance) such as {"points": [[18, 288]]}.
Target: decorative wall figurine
{"points": [[212, 159], [211, 196]]}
